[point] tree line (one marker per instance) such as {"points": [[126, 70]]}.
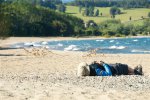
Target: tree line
{"points": [[115, 28], [28, 19], [109, 3], [25, 19], [52, 4]]}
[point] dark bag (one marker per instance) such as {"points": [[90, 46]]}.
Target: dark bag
{"points": [[119, 69]]}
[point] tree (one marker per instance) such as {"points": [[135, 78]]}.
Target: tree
{"points": [[147, 26], [4, 24], [97, 13], [59, 27], [61, 8], [118, 11], [80, 9], [109, 3], [130, 18], [101, 14], [112, 28], [86, 12], [34, 2], [91, 11], [142, 17], [114, 11], [91, 23], [24, 19], [49, 4], [1, 1], [56, 1], [149, 14]]}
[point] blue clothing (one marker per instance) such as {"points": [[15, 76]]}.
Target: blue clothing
{"points": [[107, 72]]}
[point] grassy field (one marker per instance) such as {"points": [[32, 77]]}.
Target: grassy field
{"points": [[134, 13]]}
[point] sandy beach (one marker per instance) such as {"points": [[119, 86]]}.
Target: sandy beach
{"points": [[51, 75]]}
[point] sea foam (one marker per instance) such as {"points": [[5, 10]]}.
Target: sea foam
{"points": [[117, 47], [70, 47], [140, 51], [44, 43], [100, 40], [111, 41], [59, 44], [28, 43], [135, 40], [36, 45]]}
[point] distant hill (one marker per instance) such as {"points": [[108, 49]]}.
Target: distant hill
{"points": [[65, 1], [109, 3]]}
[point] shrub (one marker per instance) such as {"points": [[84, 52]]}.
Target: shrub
{"points": [[114, 11], [149, 14]]}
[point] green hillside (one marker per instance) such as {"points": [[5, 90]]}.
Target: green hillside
{"points": [[24, 19], [135, 13]]}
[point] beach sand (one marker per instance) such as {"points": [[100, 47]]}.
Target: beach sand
{"points": [[26, 75]]}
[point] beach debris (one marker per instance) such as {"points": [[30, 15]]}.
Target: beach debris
{"points": [[92, 53], [39, 51]]}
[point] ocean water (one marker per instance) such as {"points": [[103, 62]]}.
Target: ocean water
{"points": [[112, 45]]}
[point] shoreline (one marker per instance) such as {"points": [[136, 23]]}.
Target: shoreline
{"points": [[6, 44], [13, 40]]}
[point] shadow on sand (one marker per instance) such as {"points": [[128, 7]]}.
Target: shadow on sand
{"points": [[7, 48], [10, 55]]}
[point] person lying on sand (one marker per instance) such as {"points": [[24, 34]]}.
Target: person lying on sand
{"points": [[103, 69]]}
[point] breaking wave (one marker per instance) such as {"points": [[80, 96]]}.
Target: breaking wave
{"points": [[117, 47]]}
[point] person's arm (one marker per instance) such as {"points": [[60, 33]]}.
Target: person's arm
{"points": [[101, 72]]}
